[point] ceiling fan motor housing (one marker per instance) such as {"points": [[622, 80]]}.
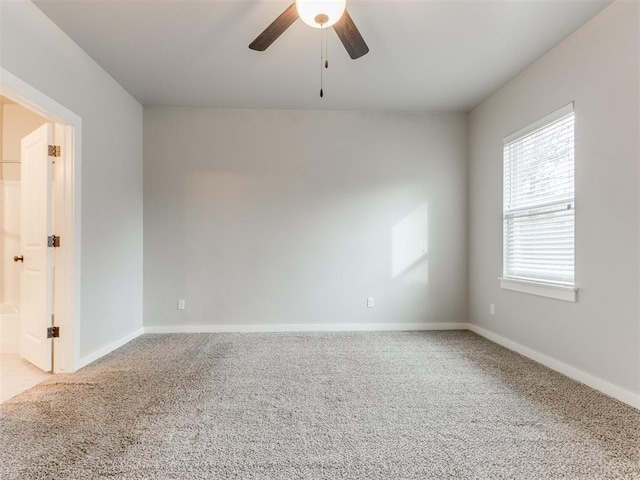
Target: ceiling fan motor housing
{"points": [[320, 13]]}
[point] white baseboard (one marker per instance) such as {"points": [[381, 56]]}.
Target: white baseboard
{"points": [[328, 327], [92, 357], [603, 386]]}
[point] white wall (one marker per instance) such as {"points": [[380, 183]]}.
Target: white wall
{"points": [[295, 217], [36, 51], [597, 67]]}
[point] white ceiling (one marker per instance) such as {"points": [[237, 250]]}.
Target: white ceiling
{"points": [[431, 55]]}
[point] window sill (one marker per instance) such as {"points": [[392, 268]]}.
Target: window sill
{"points": [[568, 294]]}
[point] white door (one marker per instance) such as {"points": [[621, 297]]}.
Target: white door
{"points": [[37, 266]]}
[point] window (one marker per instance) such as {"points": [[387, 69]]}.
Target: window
{"points": [[539, 207]]}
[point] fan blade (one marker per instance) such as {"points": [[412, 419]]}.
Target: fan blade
{"points": [[350, 36], [277, 28]]}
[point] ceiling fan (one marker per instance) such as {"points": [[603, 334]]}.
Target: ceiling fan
{"points": [[317, 14]]}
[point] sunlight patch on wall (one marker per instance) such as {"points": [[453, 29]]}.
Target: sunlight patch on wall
{"points": [[409, 244]]}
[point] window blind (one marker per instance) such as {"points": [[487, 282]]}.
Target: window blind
{"points": [[539, 206]]}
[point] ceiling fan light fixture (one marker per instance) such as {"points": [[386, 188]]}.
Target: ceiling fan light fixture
{"points": [[320, 13]]}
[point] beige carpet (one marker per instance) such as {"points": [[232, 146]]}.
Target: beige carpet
{"points": [[389, 405]]}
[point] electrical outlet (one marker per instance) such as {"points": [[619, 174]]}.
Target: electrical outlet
{"points": [[370, 302], [492, 309], [182, 304]]}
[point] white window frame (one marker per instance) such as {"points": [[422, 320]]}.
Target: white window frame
{"points": [[561, 290]]}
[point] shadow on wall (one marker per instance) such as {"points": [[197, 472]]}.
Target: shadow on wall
{"points": [[410, 246]]}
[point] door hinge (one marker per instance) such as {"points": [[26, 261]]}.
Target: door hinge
{"points": [[53, 241], [54, 151], [53, 332]]}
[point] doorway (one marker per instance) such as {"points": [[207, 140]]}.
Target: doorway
{"points": [[60, 294], [16, 122]]}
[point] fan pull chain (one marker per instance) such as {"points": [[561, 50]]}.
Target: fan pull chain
{"points": [[321, 59], [326, 51]]}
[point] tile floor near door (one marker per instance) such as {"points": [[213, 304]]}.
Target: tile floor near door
{"points": [[17, 375]]}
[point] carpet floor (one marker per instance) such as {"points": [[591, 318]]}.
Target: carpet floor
{"points": [[347, 405]]}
